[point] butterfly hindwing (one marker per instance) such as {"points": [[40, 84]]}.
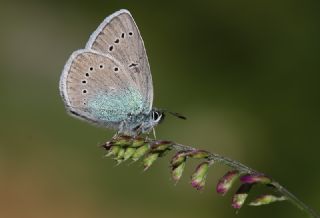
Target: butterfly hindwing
{"points": [[95, 87]]}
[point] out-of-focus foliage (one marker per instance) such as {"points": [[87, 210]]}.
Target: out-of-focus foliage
{"points": [[245, 73]]}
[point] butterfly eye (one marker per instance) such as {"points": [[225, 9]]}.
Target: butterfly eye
{"points": [[155, 115]]}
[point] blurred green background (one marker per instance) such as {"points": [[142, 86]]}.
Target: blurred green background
{"points": [[245, 73]]}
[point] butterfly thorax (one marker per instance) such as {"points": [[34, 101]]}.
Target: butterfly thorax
{"points": [[140, 123]]}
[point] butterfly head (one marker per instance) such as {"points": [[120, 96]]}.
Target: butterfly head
{"points": [[156, 116], [152, 119]]}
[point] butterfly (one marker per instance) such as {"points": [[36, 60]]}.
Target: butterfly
{"points": [[109, 82]]}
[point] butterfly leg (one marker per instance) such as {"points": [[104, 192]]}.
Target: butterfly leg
{"points": [[154, 133], [124, 130], [121, 127], [119, 131]]}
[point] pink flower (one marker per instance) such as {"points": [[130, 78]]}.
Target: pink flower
{"points": [[198, 178], [226, 182], [255, 178]]}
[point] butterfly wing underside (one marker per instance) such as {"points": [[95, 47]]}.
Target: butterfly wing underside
{"points": [[110, 78], [95, 88]]}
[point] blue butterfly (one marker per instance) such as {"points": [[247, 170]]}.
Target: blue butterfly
{"points": [[109, 82]]}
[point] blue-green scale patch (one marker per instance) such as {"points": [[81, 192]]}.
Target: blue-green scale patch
{"points": [[115, 106]]}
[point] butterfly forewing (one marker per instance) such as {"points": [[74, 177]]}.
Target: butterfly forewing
{"points": [[119, 37], [95, 87]]}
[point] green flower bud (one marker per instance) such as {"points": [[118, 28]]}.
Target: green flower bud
{"points": [[178, 158], [198, 178], [137, 142], [161, 145], [123, 141], [226, 182], [113, 151], [266, 199], [149, 160], [128, 153], [241, 195], [177, 171], [120, 155], [238, 200], [141, 151]]}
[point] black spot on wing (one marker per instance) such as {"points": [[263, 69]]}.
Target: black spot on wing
{"points": [[133, 65]]}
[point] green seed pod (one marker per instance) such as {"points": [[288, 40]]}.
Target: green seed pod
{"points": [[137, 142], [120, 154], [161, 145], [178, 158], [241, 195], [198, 178], [226, 182], [123, 141], [266, 199], [113, 151], [238, 200], [177, 171], [128, 153], [141, 151], [149, 160]]}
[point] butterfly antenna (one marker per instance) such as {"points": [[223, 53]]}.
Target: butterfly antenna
{"points": [[177, 115]]}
